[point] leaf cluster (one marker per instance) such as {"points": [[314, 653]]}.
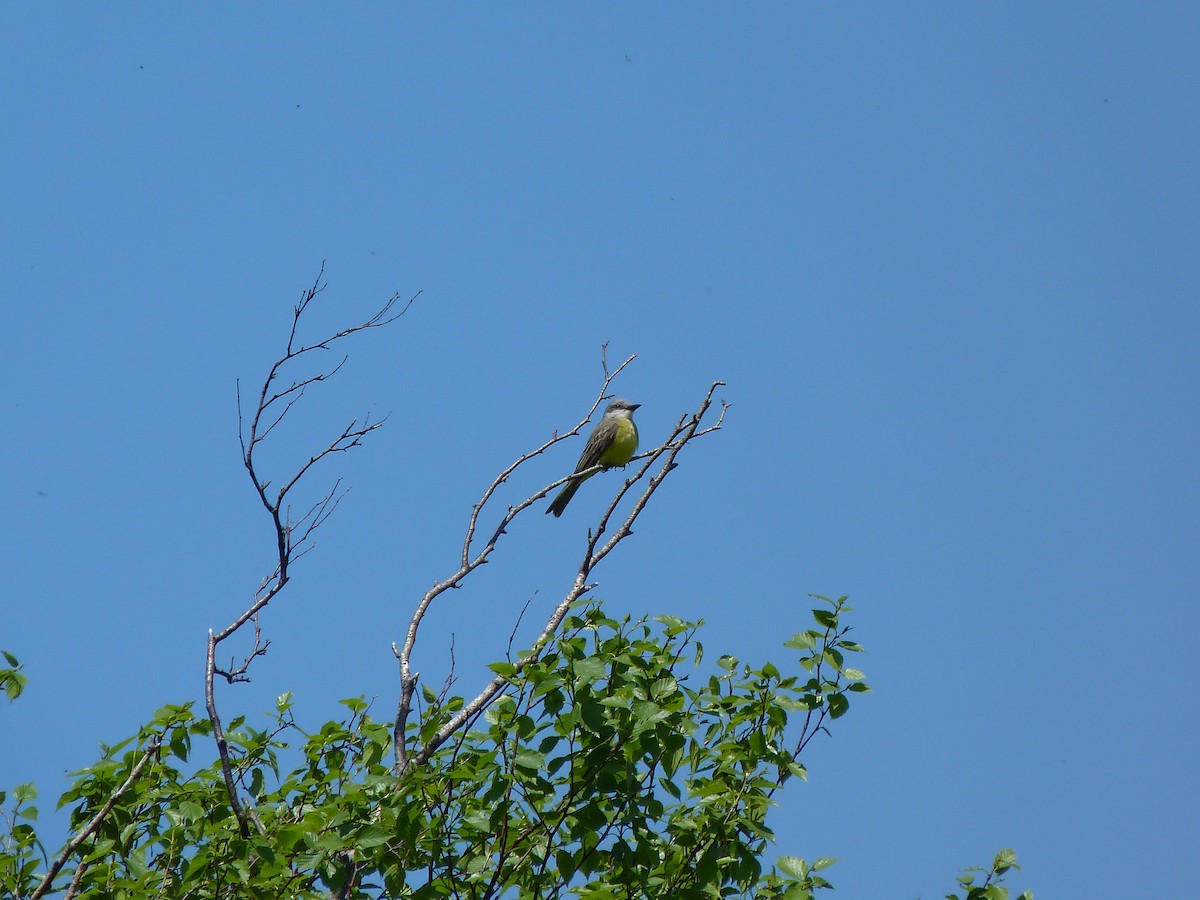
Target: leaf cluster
{"points": [[990, 888], [12, 679], [613, 765]]}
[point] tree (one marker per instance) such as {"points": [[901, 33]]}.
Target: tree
{"points": [[599, 762]]}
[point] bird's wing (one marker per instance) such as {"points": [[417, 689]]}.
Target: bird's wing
{"points": [[594, 447]]}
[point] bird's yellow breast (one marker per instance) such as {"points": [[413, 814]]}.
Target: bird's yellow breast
{"points": [[624, 445]]}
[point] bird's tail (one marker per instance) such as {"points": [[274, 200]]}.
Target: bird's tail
{"points": [[559, 503]]}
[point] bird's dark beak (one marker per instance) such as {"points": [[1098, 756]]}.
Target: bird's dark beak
{"points": [[633, 406]]}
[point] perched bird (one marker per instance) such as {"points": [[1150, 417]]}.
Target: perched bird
{"points": [[613, 443]]}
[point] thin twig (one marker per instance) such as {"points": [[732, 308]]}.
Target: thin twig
{"points": [[512, 635], [450, 677]]}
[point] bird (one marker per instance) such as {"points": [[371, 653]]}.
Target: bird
{"points": [[613, 443]]}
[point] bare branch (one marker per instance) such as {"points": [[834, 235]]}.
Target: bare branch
{"points": [[293, 539], [468, 564], [686, 430], [237, 672], [350, 438], [73, 889]]}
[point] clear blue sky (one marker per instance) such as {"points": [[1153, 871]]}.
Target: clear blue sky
{"points": [[946, 256]]}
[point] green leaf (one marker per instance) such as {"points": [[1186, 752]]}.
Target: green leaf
{"points": [[664, 687], [14, 684], [28, 812], [373, 836], [591, 668], [672, 624], [503, 669], [591, 714], [499, 709], [796, 891], [793, 865], [528, 758], [838, 705], [804, 640], [180, 744], [256, 783], [1006, 859]]}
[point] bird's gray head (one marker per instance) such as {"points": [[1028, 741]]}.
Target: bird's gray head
{"points": [[620, 407]]}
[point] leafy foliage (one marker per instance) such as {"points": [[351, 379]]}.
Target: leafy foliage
{"points": [[612, 766], [990, 888]]}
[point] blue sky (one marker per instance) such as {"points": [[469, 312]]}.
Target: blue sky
{"points": [[946, 257]]}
